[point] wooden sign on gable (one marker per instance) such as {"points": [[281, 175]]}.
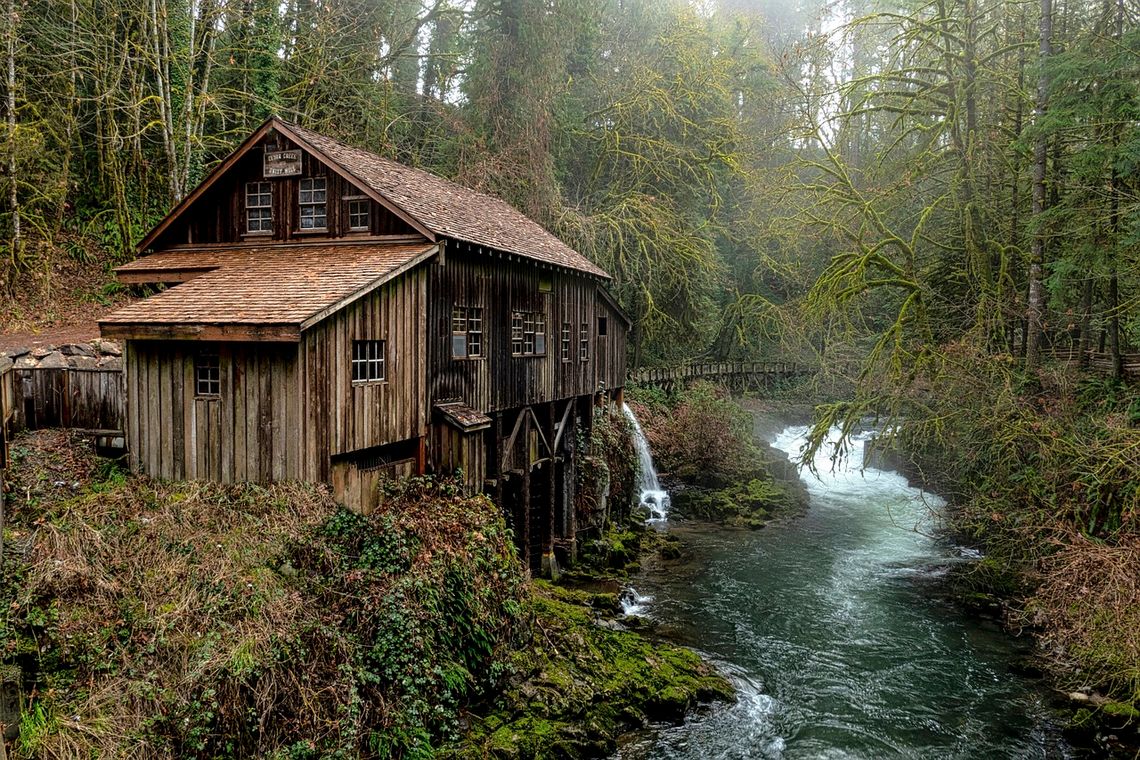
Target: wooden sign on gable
{"points": [[281, 163]]}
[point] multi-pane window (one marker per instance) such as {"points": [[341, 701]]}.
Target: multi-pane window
{"points": [[358, 214], [258, 207], [313, 197], [528, 333], [207, 373], [584, 343], [466, 332], [565, 341], [367, 361]]}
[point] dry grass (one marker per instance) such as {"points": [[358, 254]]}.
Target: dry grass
{"points": [[1087, 607], [162, 620]]}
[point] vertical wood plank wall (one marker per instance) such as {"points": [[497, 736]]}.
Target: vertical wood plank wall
{"points": [[250, 431], [341, 416], [500, 381]]}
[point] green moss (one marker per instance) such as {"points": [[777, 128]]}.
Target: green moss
{"points": [[748, 504], [1126, 710], [583, 685]]}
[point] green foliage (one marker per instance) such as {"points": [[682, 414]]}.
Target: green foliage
{"points": [[245, 620]]}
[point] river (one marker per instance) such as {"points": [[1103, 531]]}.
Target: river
{"points": [[831, 626]]}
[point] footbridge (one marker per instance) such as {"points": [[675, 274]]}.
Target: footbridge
{"points": [[736, 376]]}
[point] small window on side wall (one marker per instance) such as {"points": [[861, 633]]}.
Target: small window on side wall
{"points": [[603, 327], [566, 341], [467, 332], [584, 343], [368, 361], [207, 374]]}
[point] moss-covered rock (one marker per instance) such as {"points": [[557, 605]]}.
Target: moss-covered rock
{"points": [[580, 686], [748, 504]]}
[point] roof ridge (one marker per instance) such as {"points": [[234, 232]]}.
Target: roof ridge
{"points": [[404, 166]]}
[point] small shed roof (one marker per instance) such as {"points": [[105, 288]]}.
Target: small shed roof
{"points": [[263, 293], [462, 417]]}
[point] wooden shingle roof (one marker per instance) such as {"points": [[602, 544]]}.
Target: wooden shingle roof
{"points": [[447, 208], [279, 290]]}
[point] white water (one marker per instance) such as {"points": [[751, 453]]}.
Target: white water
{"points": [[633, 603], [839, 649], [653, 497]]}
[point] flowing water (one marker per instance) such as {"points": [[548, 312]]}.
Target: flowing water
{"points": [[830, 625], [654, 498]]}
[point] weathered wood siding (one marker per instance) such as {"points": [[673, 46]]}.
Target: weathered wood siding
{"points": [[456, 450], [341, 416], [499, 381], [67, 397], [219, 215], [611, 348], [249, 432]]}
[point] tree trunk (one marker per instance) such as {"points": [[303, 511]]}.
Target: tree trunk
{"points": [[13, 194], [1036, 302]]}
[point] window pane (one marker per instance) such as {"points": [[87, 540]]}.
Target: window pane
{"points": [[459, 345]]}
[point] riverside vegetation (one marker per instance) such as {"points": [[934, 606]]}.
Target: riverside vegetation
{"points": [[706, 451], [1041, 474], [198, 620]]}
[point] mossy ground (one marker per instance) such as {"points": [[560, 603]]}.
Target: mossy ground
{"points": [[582, 685]]}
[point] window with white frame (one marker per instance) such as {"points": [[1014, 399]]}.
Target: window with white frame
{"points": [[566, 341], [466, 332], [359, 216], [207, 373], [313, 203], [367, 361], [528, 333], [258, 208], [584, 343]]}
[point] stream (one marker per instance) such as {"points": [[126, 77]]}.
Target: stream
{"points": [[831, 627]]}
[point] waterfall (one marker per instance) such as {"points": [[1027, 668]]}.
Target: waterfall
{"points": [[653, 497]]}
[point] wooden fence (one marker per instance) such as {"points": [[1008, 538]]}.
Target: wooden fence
{"points": [[91, 401], [734, 375]]}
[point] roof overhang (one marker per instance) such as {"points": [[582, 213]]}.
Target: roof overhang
{"points": [[222, 333]]}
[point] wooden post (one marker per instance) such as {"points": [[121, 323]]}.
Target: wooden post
{"points": [[552, 467], [499, 454], [526, 489]]}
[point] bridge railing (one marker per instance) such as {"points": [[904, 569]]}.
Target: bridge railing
{"points": [[720, 372]]}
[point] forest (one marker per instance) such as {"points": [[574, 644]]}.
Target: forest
{"points": [[936, 202], [881, 179]]}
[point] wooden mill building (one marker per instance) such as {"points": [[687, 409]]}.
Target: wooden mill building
{"points": [[327, 314]]}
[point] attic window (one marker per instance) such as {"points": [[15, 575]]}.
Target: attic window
{"points": [[207, 374], [258, 208], [358, 214], [313, 196]]}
